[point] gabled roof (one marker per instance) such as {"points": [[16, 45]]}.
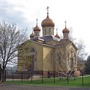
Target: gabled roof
{"points": [[50, 38], [24, 43], [46, 38], [65, 42]]}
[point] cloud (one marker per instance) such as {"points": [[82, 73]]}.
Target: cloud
{"points": [[11, 12], [21, 12], [25, 12]]}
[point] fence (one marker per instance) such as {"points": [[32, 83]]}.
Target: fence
{"points": [[31, 76], [18, 75]]}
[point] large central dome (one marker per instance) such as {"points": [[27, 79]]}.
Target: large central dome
{"points": [[47, 22]]}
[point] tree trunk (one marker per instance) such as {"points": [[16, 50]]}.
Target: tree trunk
{"points": [[3, 75], [0, 74]]}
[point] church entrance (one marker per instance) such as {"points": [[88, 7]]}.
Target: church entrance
{"points": [[32, 59], [31, 63]]}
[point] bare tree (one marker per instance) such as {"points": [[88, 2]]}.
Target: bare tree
{"points": [[80, 45], [66, 60], [10, 38], [81, 54], [81, 50], [64, 63]]}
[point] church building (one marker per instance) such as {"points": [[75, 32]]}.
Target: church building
{"points": [[47, 53]]}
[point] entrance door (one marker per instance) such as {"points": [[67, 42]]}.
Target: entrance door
{"points": [[32, 63]]}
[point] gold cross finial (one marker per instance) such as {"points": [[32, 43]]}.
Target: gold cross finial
{"points": [[47, 8], [36, 21], [47, 11], [56, 31], [65, 23]]}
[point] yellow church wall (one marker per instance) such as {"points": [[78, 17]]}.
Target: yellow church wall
{"points": [[46, 58], [60, 58], [47, 63], [72, 54], [52, 42], [39, 55], [23, 56], [65, 53]]}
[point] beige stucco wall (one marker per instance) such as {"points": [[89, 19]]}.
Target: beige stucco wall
{"points": [[53, 42], [65, 53], [47, 60], [48, 31], [39, 55], [46, 57], [72, 54], [23, 56], [60, 58]]}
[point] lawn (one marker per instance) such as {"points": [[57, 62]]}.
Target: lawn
{"points": [[55, 82]]}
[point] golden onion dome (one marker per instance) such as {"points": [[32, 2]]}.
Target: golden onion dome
{"points": [[57, 36], [65, 30], [36, 28], [47, 22]]}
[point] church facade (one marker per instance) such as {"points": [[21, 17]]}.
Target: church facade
{"points": [[48, 52]]}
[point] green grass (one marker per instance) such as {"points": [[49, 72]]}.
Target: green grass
{"points": [[55, 82]]}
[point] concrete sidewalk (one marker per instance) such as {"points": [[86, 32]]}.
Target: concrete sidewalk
{"points": [[28, 87]]}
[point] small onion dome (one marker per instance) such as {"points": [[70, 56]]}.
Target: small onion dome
{"points": [[47, 22], [31, 35], [65, 30], [36, 28], [57, 36]]}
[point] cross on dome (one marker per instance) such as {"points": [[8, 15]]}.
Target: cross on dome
{"points": [[47, 11], [65, 23], [36, 28], [65, 30], [37, 22], [56, 31], [47, 21]]}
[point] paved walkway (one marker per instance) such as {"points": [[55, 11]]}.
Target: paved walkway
{"points": [[28, 87]]}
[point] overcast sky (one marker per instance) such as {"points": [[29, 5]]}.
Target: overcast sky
{"points": [[25, 12]]}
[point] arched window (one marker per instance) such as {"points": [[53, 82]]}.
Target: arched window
{"points": [[49, 31], [45, 32], [32, 49], [72, 64]]}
